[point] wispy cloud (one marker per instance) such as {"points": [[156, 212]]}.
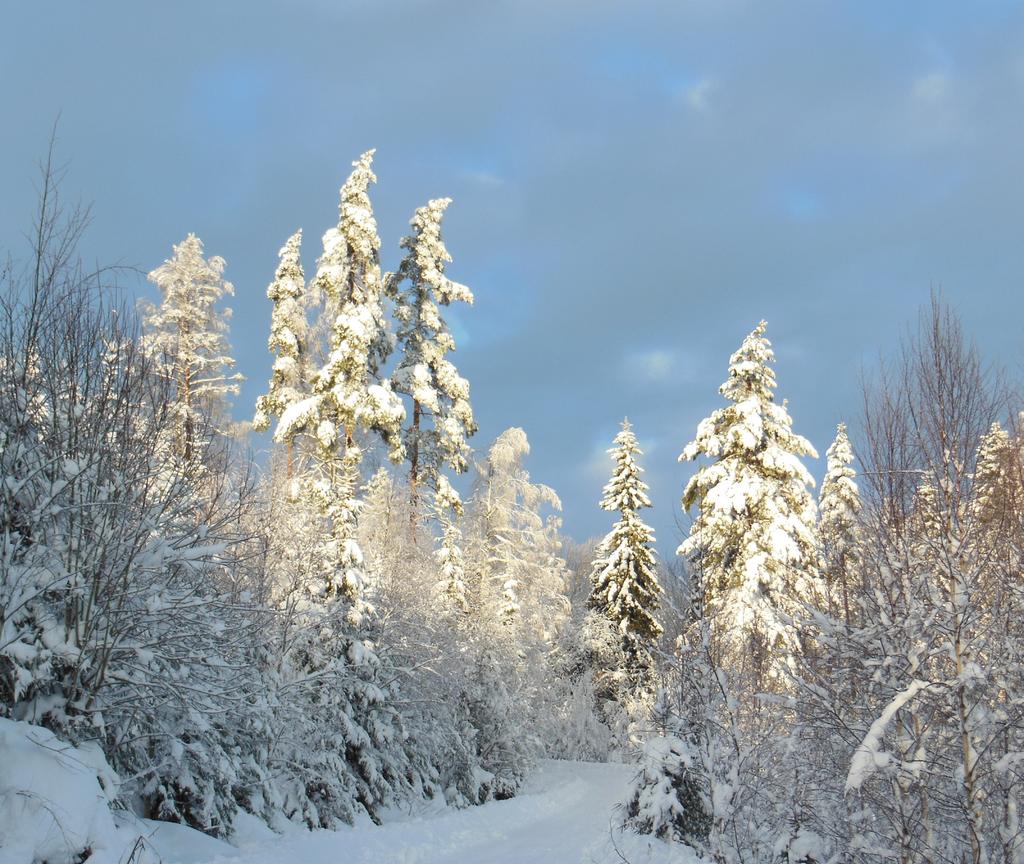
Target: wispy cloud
{"points": [[598, 464], [484, 178], [931, 89], [697, 96], [655, 365]]}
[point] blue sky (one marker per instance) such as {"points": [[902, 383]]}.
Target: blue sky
{"points": [[635, 184]]}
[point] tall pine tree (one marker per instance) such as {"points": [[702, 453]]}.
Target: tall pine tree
{"points": [[442, 418]]}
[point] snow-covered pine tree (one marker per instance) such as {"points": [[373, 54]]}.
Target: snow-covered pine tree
{"points": [[346, 397], [839, 506], [288, 328], [994, 488], [442, 418], [625, 584], [187, 336], [753, 539]]}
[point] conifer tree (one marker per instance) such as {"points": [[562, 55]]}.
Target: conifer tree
{"points": [[187, 336], [449, 555], [993, 477], [288, 328], [336, 658], [839, 506], [349, 278], [346, 397], [440, 396], [753, 540], [671, 796], [625, 585]]}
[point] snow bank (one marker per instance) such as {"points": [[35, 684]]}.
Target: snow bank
{"points": [[54, 805], [54, 798]]}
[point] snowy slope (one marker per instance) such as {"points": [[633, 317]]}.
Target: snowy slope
{"points": [[563, 817], [53, 806]]}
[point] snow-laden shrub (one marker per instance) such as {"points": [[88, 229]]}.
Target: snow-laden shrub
{"points": [[671, 796], [574, 731], [505, 748], [114, 624]]}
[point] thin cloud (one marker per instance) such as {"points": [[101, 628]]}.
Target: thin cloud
{"points": [[655, 365], [698, 96], [931, 89]]}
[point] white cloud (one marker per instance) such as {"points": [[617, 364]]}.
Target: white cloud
{"points": [[697, 96], [654, 365], [484, 178], [931, 89], [598, 465]]}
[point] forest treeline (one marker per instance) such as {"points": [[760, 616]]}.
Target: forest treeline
{"points": [[830, 675]]}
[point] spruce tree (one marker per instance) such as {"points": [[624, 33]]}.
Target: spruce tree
{"points": [[993, 477], [671, 796], [753, 541], [288, 330], [442, 418], [839, 506], [347, 681], [625, 585], [349, 278], [449, 555], [187, 336]]}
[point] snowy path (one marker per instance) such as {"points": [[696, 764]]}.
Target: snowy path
{"points": [[562, 818]]}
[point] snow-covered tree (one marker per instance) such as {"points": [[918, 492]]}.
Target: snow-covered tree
{"points": [[753, 540], [288, 329], [993, 497], [442, 419], [625, 582], [671, 796], [187, 336], [517, 606], [839, 506], [347, 396], [520, 574], [915, 690], [450, 558], [114, 627], [332, 659]]}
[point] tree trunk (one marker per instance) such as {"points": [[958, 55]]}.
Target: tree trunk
{"points": [[414, 467]]}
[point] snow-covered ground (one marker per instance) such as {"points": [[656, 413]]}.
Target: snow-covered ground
{"points": [[562, 817], [51, 802]]}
